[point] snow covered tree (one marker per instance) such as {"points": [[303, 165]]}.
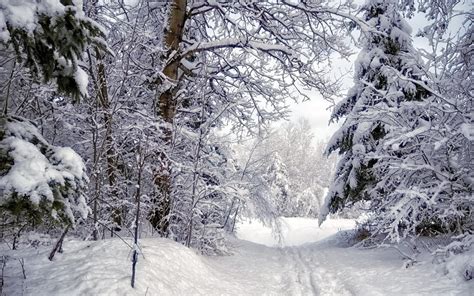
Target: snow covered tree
{"points": [[276, 179], [305, 172], [369, 106], [308, 169], [403, 141], [243, 43], [205, 182], [433, 189], [39, 181], [42, 45], [256, 200], [50, 37], [108, 127]]}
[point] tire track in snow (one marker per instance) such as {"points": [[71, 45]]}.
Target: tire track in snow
{"points": [[305, 274], [300, 279], [308, 271], [328, 283]]}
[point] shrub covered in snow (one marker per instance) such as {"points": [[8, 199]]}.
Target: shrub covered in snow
{"points": [[39, 181], [458, 257]]}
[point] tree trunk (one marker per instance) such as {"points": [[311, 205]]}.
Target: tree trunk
{"points": [[110, 153], [165, 103], [103, 105], [59, 244]]}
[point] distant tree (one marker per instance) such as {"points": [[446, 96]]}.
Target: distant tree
{"points": [[278, 183], [291, 148]]}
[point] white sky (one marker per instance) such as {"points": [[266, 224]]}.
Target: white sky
{"points": [[317, 110]]}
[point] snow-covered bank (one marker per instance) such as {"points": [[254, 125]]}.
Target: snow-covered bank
{"points": [[104, 268], [318, 266]]}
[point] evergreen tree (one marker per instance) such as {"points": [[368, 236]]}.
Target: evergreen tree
{"points": [[427, 184], [405, 140], [40, 181], [49, 38], [372, 105]]}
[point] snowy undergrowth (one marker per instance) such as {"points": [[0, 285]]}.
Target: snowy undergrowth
{"points": [[311, 261]]}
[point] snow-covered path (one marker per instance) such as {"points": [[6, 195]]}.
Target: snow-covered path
{"points": [[318, 280], [311, 261], [307, 262]]}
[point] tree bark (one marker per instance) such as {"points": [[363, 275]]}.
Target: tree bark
{"points": [[110, 153], [165, 104]]}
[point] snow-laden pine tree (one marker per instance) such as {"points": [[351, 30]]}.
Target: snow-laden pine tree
{"points": [[42, 44], [427, 173], [430, 154], [373, 107], [49, 38], [39, 181], [404, 143]]}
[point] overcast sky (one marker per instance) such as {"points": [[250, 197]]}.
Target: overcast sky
{"points": [[317, 111]]}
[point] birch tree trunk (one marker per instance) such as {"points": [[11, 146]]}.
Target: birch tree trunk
{"points": [[166, 109]]}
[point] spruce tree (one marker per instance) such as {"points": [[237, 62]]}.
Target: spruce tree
{"points": [[40, 181], [50, 39], [387, 77], [426, 155]]}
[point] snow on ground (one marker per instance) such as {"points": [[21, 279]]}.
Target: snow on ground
{"points": [[310, 261]]}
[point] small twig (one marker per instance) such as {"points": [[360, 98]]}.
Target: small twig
{"points": [[405, 255], [427, 247]]}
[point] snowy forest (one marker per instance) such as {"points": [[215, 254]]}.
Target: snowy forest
{"points": [[164, 125]]}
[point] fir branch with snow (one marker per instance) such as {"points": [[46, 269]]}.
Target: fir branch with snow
{"points": [[50, 37], [39, 181]]}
